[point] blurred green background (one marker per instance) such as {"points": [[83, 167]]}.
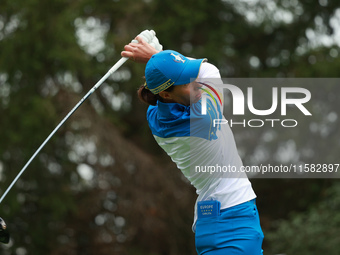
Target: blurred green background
{"points": [[102, 185]]}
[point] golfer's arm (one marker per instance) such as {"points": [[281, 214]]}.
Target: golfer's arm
{"points": [[139, 56]]}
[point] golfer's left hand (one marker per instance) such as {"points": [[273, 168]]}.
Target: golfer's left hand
{"points": [[139, 52]]}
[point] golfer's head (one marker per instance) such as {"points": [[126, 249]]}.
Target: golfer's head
{"points": [[172, 76]]}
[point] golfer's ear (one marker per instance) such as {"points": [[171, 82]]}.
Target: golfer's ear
{"points": [[165, 95]]}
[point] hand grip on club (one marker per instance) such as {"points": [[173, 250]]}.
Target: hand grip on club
{"points": [[148, 36]]}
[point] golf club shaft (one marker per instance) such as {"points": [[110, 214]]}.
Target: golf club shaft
{"points": [[97, 85]]}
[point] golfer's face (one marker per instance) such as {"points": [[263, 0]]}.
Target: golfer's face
{"points": [[187, 94]]}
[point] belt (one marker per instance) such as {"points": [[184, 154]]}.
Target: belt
{"points": [[229, 208]]}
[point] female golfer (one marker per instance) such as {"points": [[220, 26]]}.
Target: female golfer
{"points": [[185, 101]]}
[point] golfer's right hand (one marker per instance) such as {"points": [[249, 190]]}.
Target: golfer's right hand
{"points": [[139, 52]]}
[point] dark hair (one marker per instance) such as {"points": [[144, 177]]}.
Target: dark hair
{"points": [[146, 96]]}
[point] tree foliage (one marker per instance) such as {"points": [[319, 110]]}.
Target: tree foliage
{"points": [[312, 232]]}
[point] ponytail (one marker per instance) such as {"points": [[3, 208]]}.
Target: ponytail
{"points": [[146, 96]]}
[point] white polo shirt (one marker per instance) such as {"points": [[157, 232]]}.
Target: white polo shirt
{"points": [[198, 147]]}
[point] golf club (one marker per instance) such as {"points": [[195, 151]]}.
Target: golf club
{"points": [[149, 37]]}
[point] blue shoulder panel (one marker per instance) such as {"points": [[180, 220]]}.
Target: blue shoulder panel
{"points": [[176, 120]]}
